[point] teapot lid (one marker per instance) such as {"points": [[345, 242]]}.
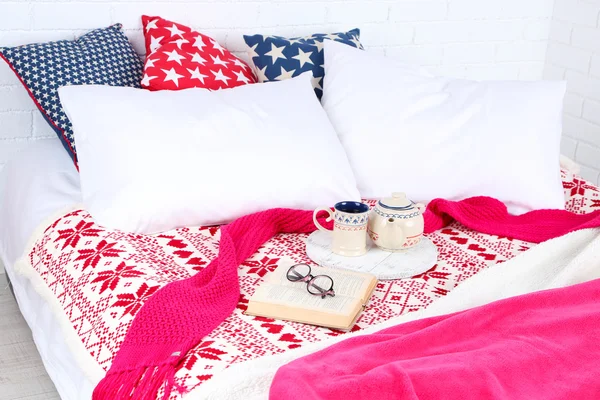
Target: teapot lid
{"points": [[398, 202]]}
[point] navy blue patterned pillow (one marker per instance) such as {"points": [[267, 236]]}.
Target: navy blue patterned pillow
{"points": [[276, 58], [103, 57]]}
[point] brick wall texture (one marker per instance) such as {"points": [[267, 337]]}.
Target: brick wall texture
{"points": [[476, 39]]}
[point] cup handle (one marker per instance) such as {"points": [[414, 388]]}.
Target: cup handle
{"points": [[329, 218]]}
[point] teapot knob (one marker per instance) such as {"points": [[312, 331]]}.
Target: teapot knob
{"points": [[399, 195]]}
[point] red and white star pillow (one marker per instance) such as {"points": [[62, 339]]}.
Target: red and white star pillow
{"points": [[178, 57]]}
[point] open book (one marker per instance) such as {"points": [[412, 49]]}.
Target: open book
{"points": [[279, 298]]}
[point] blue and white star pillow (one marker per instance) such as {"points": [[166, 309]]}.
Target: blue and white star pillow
{"points": [[101, 57], [276, 58]]}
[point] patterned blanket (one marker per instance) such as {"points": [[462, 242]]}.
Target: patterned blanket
{"points": [[97, 280]]}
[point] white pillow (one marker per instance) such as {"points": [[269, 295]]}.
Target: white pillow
{"points": [[431, 137], [153, 161]]}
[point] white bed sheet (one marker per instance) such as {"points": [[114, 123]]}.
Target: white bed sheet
{"points": [[38, 182]]}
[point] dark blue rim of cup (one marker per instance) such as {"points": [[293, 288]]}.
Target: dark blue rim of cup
{"points": [[351, 207]]}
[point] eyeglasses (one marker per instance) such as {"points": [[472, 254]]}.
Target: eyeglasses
{"points": [[319, 285]]}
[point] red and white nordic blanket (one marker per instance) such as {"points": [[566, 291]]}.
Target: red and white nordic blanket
{"points": [[97, 280]]}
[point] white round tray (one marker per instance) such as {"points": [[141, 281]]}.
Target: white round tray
{"points": [[383, 264]]}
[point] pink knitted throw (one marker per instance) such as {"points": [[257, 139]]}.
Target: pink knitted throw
{"points": [[180, 314], [488, 215]]}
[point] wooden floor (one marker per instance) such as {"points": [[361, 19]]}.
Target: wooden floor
{"points": [[22, 374]]}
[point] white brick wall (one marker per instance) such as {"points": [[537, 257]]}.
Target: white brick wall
{"points": [[574, 54], [479, 39]]}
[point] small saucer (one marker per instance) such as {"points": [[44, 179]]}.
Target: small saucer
{"points": [[383, 264]]}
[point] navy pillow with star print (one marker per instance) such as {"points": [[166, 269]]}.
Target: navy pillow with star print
{"points": [[276, 58], [101, 57]]}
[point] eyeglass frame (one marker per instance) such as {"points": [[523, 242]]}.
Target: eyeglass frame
{"points": [[310, 277]]}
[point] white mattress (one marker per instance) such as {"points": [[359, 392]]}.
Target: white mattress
{"points": [[37, 183]]}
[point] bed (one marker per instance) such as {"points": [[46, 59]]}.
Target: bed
{"points": [[78, 336]]}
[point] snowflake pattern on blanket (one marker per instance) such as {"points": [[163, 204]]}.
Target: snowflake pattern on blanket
{"points": [[101, 278]]}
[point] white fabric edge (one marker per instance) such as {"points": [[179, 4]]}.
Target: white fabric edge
{"points": [[85, 361], [570, 165], [564, 261]]}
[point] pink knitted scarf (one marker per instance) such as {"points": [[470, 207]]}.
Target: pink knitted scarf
{"points": [[180, 314]]}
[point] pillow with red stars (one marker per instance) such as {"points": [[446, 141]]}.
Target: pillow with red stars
{"points": [[178, 57]]}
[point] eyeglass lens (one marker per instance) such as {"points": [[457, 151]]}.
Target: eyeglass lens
{"points": [[298, 272], [320, 284]]}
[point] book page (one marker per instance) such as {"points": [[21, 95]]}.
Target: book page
{"points": [[345, 283], [277, 297], [298, 297]]}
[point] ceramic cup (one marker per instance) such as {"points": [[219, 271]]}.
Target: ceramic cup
{"points": [[349, 235]]}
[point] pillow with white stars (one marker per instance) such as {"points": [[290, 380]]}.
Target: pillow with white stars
{"points": [[102, 57], [178, 57], [276, 58]]}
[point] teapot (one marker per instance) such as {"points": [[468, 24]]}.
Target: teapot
{"points": [[396, 223]]}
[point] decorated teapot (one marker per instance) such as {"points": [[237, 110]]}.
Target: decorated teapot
{"points": [[396, 223]]}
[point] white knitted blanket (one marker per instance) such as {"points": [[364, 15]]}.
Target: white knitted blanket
{"points": [[567, 260]]}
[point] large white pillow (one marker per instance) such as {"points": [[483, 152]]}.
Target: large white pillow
{"points": [[405, 130], [153, 161]]}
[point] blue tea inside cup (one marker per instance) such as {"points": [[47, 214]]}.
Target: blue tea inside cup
{"points": [[351, 207]]}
